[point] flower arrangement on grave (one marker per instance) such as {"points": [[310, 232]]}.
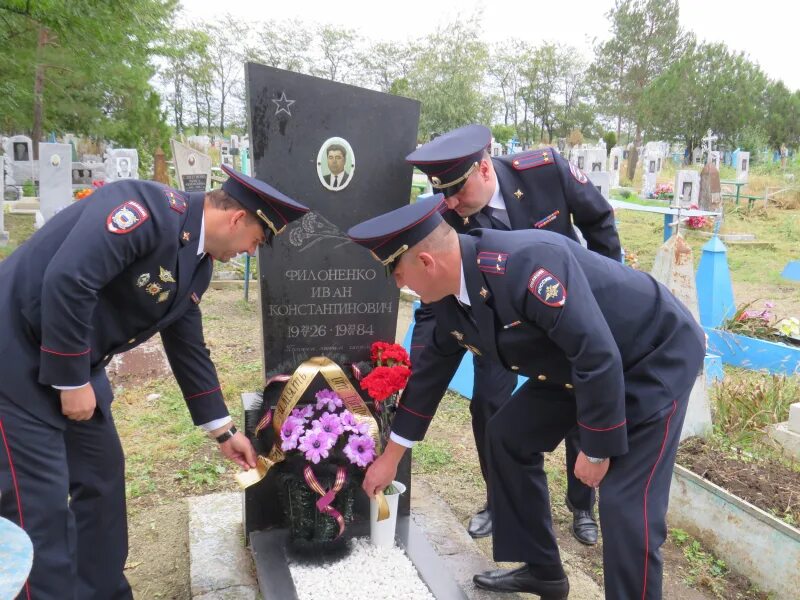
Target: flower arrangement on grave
{"points": [[388, 377], [327, 449], [663, 191], [81, 194], [317, 442], [762, 324], [697, 222]]}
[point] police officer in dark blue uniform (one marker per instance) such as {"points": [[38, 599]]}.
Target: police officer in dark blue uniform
{"points": [[530, 190], [101, 277], [605, 348]]}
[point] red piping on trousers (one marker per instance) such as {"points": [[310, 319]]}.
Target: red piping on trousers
{"points": [[16, 491], [646, 489]]}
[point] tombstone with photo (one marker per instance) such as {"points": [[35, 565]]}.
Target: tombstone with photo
{"points": [[687, 188], [192, 168], [55, 178], [3, 232], [649, 184], [615, 165], [742, 166], [602, 181], [716, 158], [19, 155], [710, 197], [122, 163], [322, 295]]}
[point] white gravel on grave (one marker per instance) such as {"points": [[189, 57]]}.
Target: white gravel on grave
{"points": [[367, 573]]}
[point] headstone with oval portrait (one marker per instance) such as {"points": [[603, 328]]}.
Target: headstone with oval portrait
{"points": [[3, 232], [122, 163], [322, 295], [55, 178], [742, 166], [192, 168]]}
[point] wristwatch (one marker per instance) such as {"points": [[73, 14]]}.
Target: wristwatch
{"points": [[226, 435], [591, 459]]}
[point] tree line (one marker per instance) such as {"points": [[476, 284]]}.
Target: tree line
{"points": [[126, 72]]}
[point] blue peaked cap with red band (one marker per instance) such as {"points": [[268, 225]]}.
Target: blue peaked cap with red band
{"points": [[275, 209], [452, 157], [389, 235]]}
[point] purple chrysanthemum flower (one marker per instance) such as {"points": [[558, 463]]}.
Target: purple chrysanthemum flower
{"points": [[329, 423], [316, 444], [329, 400], [303, 413], [360, 450], [291, 431], [348, 421]]}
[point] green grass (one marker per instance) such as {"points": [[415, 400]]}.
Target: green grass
{"points": [[431, 456], [19, 228], [705, 569]]}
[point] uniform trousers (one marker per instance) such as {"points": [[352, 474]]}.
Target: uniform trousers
{"points": [[493, 386], [66, 489], [633, 495]]}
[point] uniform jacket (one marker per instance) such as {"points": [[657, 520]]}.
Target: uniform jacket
{"points": [[617, 342], [542, 190], [101, 277]]}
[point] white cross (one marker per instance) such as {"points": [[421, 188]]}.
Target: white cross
{"points": [[709, 144]]}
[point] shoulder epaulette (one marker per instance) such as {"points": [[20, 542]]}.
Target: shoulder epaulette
{"points": [[492, 262], [534, 158]]}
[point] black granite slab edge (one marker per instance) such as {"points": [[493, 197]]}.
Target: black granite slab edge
{"points": [[269, 549]]}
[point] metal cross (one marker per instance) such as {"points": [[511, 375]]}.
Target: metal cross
{"points": [[708, 144]]}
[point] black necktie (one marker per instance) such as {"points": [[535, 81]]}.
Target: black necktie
{"points": [[492, 222], [336, 181]]}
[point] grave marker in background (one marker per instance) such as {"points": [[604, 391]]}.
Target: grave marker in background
{"points": [[55, 178], [687, 188], [122, 163], [3, 232], [602, 181], [192, 168], [742, 166]]}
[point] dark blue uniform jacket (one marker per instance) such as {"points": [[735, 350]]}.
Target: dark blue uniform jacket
{"points": [[101, 277], [612, 338]]}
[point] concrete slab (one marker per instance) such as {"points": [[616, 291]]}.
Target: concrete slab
{"points": [[788, 439], [220, 566]]}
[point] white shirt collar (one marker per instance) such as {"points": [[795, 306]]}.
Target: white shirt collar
{"points": [[201, 241], [497, 201], [463, 296]]}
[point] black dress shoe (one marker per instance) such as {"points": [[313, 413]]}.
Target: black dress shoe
{"points": [[480, 525], [522, 580], [584, 527]]}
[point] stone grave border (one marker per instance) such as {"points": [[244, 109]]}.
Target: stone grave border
{"points": [[753, 542]]}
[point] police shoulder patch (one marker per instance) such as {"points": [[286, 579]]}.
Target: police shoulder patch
{"points": [[534, 158], [547, 288], [127, 217], [177, 201], [493, 263], [579, 175]]}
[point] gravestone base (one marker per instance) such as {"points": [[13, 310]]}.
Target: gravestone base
{"points": [[275, 581], [26, 206], [3, 238]]}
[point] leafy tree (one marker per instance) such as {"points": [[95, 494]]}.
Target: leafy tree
{"points": [[283, 45], [503, 133], [610, 138], [645, 39], [447, 78]]}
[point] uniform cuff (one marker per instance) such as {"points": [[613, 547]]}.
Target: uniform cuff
{"points": [[215, 424], [401, 440], [64, 368]]}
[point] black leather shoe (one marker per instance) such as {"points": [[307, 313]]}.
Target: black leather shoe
{"points": [[522, 580], [584, 527], [480, 525]]}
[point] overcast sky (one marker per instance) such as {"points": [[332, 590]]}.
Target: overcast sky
{"points": [[766, 30]]}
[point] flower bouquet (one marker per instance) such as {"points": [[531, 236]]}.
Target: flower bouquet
{"points": [[384, 382], [327, 448], [762, 324]]}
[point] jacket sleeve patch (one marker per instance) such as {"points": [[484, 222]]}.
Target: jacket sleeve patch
{"points": [[579, 175], [547, 288], [534, 158], [126, 217]]}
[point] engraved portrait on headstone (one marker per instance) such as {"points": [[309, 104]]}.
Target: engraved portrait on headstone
{"points": [[580, 162], [21, 151], [335, 164], [652, 167], [596, 166], [616, 163], [686, 192]]}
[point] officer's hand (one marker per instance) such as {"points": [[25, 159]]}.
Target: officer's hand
{"points": [[239, 450], [379, 474], [589, 473], [78, 404]]}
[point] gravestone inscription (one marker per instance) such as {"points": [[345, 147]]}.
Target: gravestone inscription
{"points": [[322, 295], [192, 168]]}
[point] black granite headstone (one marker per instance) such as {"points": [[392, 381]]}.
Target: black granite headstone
{"points": [[340, 150]]}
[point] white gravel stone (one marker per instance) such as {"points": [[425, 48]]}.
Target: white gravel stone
{"points": [[366, 573]]}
